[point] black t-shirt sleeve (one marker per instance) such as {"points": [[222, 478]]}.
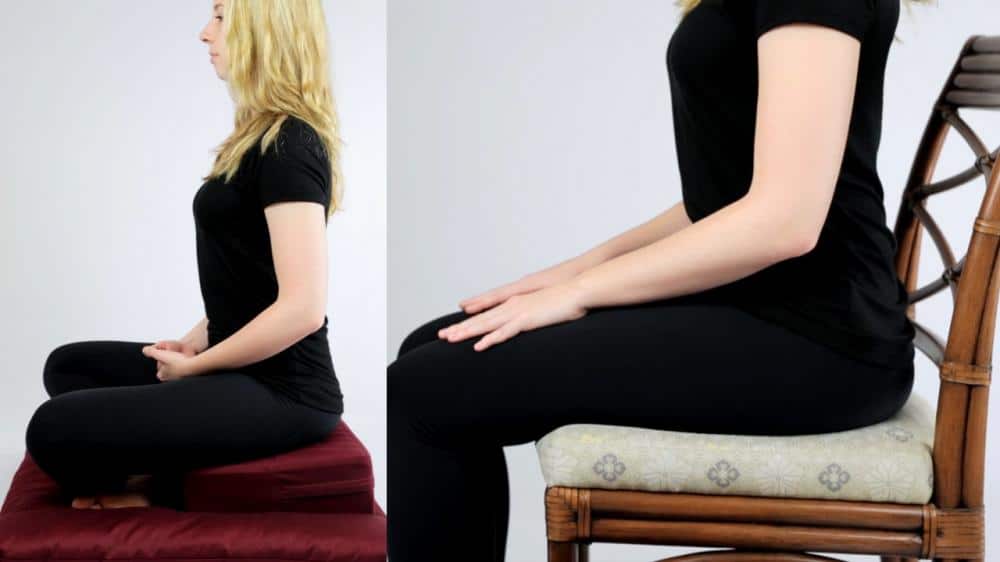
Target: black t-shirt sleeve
{"points": [[850, 16], [294, 168]]}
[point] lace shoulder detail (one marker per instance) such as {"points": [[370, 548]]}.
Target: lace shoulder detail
{"points": [[296, 133]]}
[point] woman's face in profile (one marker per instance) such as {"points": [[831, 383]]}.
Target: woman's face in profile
{"points": [[211, 35]]}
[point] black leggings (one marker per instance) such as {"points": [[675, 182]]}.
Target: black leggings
{"points": [[683, 364], [109, 417]]}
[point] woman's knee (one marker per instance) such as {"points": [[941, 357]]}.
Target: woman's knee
{"points": [[397, 380], [439, 392], [57, 365], [409, 397], [428, 331], [42, 436], [412, 381], [72, 421]]}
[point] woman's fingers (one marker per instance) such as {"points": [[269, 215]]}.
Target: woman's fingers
{"points": [[474, 326], [493, 297], [501, 334], [161, 355], [481, 302], [475, 299], [475, 305], [480, 305], [474, 323], [173, 345], [166, 345]]}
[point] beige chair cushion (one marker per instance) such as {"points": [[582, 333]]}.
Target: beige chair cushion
{"points": [[886, 462]]}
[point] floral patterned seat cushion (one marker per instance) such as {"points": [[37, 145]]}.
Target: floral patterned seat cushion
{"points": [[886, 462]]}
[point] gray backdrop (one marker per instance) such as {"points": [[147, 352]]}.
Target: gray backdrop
{"points": [[526, 131], [111, 112]]}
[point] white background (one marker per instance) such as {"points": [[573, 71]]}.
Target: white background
{"points": [[111, 112], [524, 132]]}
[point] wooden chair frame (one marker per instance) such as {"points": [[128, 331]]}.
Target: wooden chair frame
{"points": [[951, 526]]}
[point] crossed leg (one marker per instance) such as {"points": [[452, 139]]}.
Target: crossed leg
{"points": [[110, 418]]}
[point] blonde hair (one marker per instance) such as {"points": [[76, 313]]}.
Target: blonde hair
{"points": [[278, 67], [688, 5]]}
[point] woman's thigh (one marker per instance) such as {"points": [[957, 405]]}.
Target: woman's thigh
{"points": [[686, 364], [203, 420], [97, 363]]}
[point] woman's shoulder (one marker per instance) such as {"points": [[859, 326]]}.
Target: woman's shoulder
{"points": [[294, 165], [297, 134]]}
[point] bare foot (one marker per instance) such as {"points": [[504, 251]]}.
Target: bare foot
{"points": [[127, 499], [135, 495], [85, 502]]}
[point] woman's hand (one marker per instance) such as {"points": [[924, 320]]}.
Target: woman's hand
{"points": [[519, 313], [180, 346], [173, 358], [548, 277], [184, 346]]}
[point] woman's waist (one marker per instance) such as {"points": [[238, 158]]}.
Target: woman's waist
{"points": [[311, 353], [308, 355]]}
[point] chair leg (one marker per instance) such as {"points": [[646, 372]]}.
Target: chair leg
{"points": [[568, 552]]}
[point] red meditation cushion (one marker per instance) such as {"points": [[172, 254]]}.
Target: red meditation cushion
{"points": [[333, 475], [36, 524]]}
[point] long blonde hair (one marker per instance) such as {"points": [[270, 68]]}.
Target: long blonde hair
{"points": [[688, 5], [278, 67]]}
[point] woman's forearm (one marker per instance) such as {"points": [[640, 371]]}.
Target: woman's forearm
{"points": [[662, 225], [198, 336], [734, 242], [276, 328]]}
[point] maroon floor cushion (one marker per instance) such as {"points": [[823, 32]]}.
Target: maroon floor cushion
{"points": [[333, 475], [36, 523]]}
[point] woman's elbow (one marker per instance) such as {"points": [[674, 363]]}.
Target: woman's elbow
{"points": [[791, 233], [307, 315], [801, 240], [316, 315]]}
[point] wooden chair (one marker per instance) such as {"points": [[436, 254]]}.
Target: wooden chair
{"points": [[948, 527]]}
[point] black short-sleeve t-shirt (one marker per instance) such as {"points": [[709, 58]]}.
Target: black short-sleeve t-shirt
{"points": [[236, 267], [845, 292]]}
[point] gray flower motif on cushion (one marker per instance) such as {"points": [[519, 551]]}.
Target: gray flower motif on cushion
{"points": [[779, 475], [609, 467], [888, 481], [899, 433], [834, 477], [722, 473]]}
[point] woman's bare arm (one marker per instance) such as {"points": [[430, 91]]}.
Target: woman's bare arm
{"points": [[807, 81], [672, 220], [807, 78], [662, 225], [298, 246]]}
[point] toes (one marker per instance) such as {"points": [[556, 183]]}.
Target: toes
{"points": [[124, 500], [82, 502]]}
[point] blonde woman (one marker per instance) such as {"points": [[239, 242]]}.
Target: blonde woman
{"points": [[254, 377], [765, 302]]}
